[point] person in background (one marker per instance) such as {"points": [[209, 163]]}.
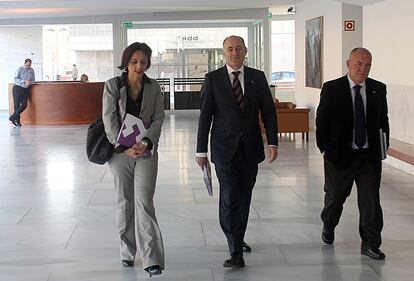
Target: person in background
{"points": [[74, 72], [84, 78], [135, 176], [231, 99], [23, 79], [351, 112]]}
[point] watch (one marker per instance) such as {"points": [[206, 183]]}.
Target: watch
{"points": [[144, 142]]}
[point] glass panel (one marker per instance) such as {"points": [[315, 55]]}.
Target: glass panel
{"points": [[89, 46], [16, 44], [53, 50], [283, 54], [184, 52]]}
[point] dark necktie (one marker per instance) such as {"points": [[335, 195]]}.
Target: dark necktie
{"points": [[237, 89], [360, 124]]}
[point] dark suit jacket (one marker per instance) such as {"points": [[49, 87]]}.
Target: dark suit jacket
{"points": [[335, 120], [221, 113]]}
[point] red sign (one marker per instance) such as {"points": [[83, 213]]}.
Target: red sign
{"points": [[349, 25]]}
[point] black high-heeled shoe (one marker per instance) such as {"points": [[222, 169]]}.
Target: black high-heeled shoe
{"points": [[154, 270]]}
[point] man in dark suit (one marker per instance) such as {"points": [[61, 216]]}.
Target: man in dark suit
{"points": [[232, 97], [351, 113]]}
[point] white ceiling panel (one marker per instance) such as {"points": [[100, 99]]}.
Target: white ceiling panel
{"points": [[63, 8]]}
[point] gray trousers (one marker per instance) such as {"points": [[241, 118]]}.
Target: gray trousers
{"points": [[135, 213]]}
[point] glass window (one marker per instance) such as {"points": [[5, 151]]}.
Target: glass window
{"points": [[18, 43], [283, 54], [184, 52], [88, 46], [53, 50]]}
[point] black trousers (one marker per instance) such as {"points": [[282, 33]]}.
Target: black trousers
{"points": [[338, 185], [237, 180], [20, 96]]}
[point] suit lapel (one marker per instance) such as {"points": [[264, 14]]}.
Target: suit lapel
{"points": [[248, 86], [346, 97], [225, 80], [371, 96]]}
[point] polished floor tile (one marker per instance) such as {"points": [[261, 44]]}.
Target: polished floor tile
{"points": [[57, 214]]}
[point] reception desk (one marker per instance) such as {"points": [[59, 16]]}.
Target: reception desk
{"points": [[61, 103]]}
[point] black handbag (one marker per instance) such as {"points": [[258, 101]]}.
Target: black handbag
{"points": [[98, 148]]}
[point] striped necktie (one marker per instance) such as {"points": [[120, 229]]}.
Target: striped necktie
{"points": [[237, 89], [360, 124]]}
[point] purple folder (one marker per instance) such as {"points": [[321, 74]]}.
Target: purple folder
{"points": [[133, 130]]}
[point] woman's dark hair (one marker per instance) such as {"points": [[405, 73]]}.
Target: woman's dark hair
{"points": [[130, 50], [27, 60]]}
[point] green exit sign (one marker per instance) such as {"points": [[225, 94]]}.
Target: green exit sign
{"points": [[127, 24]]}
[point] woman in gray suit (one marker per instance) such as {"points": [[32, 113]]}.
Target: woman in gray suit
{"points": [[135, 174]]}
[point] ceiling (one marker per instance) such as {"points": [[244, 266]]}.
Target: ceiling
{"points": [[14, 9]]}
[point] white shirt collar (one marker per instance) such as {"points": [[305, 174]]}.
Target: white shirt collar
{"points": [[230, 70], [352, 83]]}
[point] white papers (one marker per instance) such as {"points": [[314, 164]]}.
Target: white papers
{"points": [[207, 178], [383, 143]]}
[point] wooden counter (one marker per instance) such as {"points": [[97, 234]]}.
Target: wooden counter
{"points": [[61, 103]]}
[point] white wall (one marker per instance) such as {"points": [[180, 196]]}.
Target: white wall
{"points": [[21, 42], [386, 30], [351, 39], [388, 34], [332, 52]]}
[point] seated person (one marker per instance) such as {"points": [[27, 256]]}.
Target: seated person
{"points": [[84, 78]]}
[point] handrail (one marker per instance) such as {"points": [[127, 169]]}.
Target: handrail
{"points": [[188, 81]]}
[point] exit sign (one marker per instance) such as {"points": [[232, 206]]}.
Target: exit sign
{"points": [[127, 24]]}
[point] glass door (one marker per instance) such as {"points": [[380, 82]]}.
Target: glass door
{"points": [[184, 52]]}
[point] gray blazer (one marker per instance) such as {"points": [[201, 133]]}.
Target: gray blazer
{"points": [[114, 108]]}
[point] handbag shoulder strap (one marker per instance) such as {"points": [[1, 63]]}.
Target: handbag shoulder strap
{"points": [[119, 86]]}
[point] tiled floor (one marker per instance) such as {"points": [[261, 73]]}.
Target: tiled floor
{"points": [[57, 218]]}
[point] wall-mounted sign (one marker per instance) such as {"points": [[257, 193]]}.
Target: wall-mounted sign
{"points": [[349, 25], [188, 38], [127, 24]]}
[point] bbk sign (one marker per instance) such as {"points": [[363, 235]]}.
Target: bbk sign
{"points": [[188, 38]]}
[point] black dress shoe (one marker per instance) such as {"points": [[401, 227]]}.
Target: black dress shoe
{"points": [[127, 263], [373, 253], [328, 235], [246, 248], [236, 261], [13, 121], [154, 270]]}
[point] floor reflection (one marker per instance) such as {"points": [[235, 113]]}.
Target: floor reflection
{"points": [[57, 216]]}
